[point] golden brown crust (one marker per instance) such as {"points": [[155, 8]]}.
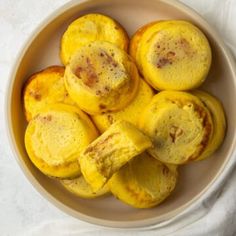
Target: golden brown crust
{"points": [[207, 125], [56, 136], [219, 123], [50, 69], [172, 141], [43, 88], [208, 131], [101, 77], [170, 59], [54, 68], [144, 182], [135, 39]]}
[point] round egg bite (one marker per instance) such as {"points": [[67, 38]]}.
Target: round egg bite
{"points": [[81, 188], [44, 88], [130, 113], [219, 122], [89, 28], [55, 138], [179, 125], [110, 151], [143, 182], [173, 55], [101, 78]]}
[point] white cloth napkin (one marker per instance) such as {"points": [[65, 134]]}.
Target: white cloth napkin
{"points": [[25, 212]]}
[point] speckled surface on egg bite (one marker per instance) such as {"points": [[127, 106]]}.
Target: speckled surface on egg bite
{"points": [[219, 122], [44, 88], [130, 113], [110, 151], [179, 125], [101, 78], [144, 182], [174, 55], [89, 28], [56, 137]]}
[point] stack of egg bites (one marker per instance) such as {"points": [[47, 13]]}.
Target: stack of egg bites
{"points": [[98, 125]]}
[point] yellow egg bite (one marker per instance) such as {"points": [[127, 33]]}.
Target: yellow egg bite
{"points": [[44, 88], [143, 182], [110, 151], [218, 117], [180, 126], [89, 28], [101, 78], [55, 138], [81, 188], [130, 113], [174, 55]]}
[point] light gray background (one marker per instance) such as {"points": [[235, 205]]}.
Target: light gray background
{"points": [[22, 210]]}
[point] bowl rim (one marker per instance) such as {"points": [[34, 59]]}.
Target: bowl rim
{"points": [[153, 222]]}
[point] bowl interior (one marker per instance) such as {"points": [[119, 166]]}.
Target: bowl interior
{"points": [[43, 51]]}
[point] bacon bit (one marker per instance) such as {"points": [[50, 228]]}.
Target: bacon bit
{"points": [[89, 149], [36, 95], [105, 170], [46, 118], [165, 170], [107, 88], [172, 137], [100, 144], [167, 60], [110, 119], [175, 132], [98, 92], [110, 59], [163, 62], [91, 77], [170, 54], [186, 47], [102, 106], [89, 62], [78, 71], [184, 42]]}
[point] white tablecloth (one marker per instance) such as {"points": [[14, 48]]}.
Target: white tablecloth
{"points": [[24, 212]]}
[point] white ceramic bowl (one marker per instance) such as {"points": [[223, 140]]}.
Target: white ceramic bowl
{"points": [[196, 180]]}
